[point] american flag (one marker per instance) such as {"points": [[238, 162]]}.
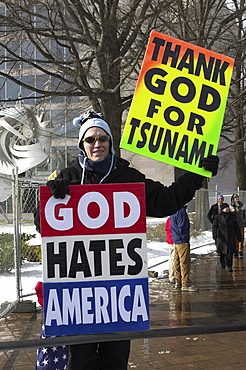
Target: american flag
{"points": [[51, 358]]}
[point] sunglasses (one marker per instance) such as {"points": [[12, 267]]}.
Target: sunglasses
{"points": [[93, 139]]}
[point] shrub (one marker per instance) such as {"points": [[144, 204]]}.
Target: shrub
{"points": [[194, 233], [35, 254], [6, 252], [25, 248], [156, 232], [7, 261]]}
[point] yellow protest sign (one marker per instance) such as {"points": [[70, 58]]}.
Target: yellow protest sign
{"points": [[178, 106]]}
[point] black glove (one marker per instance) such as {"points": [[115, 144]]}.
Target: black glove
{"points": [[211, 163], [59, 187]]}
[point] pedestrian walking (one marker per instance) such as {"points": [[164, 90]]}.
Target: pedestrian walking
{"points": [[215, 209], [180, 228], [238, 208], [225, 231]]}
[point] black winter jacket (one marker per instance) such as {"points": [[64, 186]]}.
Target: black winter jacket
{"points": [[239, 212], [213, 212], [161, 200], [225, 232]]}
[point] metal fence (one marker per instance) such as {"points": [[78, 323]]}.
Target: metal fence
{"points": [[20, 245], [20, 249], [92, 338]]}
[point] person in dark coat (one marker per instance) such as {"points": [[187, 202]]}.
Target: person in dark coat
{"points": [[215, 208], [225, 231], [97, 164], [238, 208]]}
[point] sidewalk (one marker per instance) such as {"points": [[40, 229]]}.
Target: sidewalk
{"points": [[220, 300]]}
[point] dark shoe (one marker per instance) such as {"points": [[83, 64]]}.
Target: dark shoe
{"points": [[177, 286], [240, 254], [235, 254], [222, 266], [229, 269]]}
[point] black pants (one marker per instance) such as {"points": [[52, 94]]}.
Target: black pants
{"points": [[226, 260], [99, 356]]}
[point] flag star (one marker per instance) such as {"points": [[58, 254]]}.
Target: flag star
{"points": [[56, 359], [44, 350], [45, 362], [63, 346], [54, 349], [37, 363], [64, 356]]}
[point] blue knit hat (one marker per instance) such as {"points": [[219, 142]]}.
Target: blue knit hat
{"points": [[220, 196]]}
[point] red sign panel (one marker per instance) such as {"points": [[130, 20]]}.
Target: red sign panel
{"points": [[98, 209]]}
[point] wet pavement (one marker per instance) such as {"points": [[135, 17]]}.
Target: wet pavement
{"points": [[221, 300]]}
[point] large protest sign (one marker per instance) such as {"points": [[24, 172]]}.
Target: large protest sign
{"points": [[178, 106], [94, 255]]}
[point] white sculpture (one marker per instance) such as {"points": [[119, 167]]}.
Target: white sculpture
{"points": [[25, 140]]}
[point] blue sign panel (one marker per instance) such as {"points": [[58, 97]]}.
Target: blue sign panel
{"points": [[96, 306]]}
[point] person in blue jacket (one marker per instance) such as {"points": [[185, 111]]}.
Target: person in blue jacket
{"points": [[180, 228]]}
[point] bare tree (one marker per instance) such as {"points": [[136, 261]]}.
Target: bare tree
{"points": [[235, 125], [219, 26], [83, 48], [92, 50]]}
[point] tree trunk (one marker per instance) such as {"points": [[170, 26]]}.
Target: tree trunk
{"points": [[201, 221], [239, 132], [113, 116]]}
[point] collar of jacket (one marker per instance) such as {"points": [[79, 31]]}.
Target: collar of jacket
{"points": [[120, 165]]}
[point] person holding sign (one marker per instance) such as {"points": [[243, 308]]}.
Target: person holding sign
{"points": [[97, 164]]}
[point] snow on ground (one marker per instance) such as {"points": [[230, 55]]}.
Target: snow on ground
{"points": [[31, 272], [158, 252]]}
